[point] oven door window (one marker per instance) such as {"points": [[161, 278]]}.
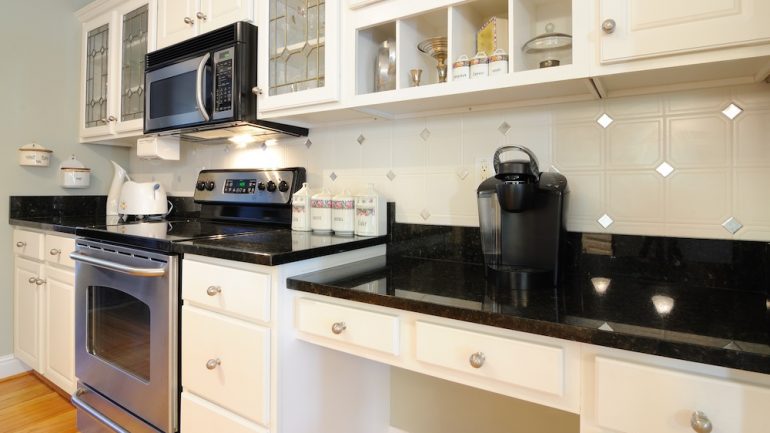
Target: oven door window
{"points": [[119, 330]]}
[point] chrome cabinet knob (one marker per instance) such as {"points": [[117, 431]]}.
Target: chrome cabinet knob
{"points": [[55, 251], [32, 280], [608, 25], [213, 290], [256, 90], [700, 423], [213, 363], [477, 360], [188, 20], [21, 244], [201, 16], [39, 281], [338, 327]]}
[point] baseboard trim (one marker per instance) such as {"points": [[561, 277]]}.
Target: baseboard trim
{"points": [[10, 366]]}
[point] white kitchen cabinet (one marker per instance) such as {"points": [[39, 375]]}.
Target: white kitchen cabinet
{"points": [[182, 19], [637, 29], [200, 416], [44, 306], [115, 38], [299, 53]]}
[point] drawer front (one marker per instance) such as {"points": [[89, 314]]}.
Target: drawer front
{"points": [[57, 250], [200, 416], [635, 398], [531, 365], [239, 381], [353, 326], [28, 244], [228, 290]]}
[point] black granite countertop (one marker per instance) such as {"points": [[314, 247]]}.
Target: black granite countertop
{"points": [[57, 223], [682, 320]]}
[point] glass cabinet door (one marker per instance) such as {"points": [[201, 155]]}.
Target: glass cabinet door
{"points": [[97, 76], [301, 54], [134, 47]]}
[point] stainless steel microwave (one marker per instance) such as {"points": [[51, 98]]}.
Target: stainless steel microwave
{"points": [[206, 87]]}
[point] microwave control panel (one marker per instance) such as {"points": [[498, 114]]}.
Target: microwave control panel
{"points": [[223, 82]]}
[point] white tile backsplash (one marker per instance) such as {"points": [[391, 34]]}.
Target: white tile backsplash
{"points": [[721, 166]]}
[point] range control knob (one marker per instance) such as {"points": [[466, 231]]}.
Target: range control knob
{"points": [[271, 186], [200, 185], [210, 185], [261, 186], [283, 186]]}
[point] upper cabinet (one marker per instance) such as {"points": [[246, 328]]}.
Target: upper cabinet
{"points": [[182, 19], [637, 29], [299, 53], [114, 42]]}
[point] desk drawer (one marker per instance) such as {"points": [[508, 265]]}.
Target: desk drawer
{"points": [[28, 244], [57, 250]]}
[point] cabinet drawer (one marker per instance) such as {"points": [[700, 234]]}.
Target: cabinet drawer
{"points": [[239, 381], [57, 250], [200, 416], [354, 326], [229, 290], [635, 398], [521, 363], [28, 244]]}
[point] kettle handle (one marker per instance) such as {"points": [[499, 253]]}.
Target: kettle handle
{"points": [[532, 158]]}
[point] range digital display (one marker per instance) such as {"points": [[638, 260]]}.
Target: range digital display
{"points": [[240, 186]]}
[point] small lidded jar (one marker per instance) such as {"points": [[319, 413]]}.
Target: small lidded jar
{"points": [[461, 69], [321, 212], [479, 65], [498, 63]]}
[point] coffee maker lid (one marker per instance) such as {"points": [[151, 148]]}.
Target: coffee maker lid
{"points": [[516, 166]]}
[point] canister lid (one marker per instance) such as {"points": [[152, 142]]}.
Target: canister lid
{"points": [[34, 147]]}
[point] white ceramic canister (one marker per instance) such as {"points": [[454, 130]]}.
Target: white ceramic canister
{"points": [[479, 65], [35, 155], [343, 214], [321, 212], [300, 209], [74, 177], [461, 69], [498, 63], [370, 213]]}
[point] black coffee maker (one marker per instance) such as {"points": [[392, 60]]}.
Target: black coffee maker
{"points": [[520, 216]]}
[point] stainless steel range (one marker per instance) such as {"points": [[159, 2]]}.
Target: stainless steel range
{"points": [[127, 298]]}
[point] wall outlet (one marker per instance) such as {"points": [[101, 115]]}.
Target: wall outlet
{"points": [[484, 169]]}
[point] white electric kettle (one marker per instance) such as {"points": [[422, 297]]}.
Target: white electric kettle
{"points": [[143, 199]]}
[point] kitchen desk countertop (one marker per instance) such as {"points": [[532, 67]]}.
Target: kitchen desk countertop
{"points": [[721, 327]]}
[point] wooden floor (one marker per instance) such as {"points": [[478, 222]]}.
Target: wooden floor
{"points": [[28, 405]]}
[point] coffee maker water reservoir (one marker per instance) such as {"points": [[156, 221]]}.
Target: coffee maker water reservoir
{"points": [[520, 217]]}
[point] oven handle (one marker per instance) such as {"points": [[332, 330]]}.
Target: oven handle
{"points": [[94, 413], [199, 90], [130, 270]]}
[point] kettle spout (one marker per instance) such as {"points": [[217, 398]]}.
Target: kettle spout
{"points": [[119, 177]]}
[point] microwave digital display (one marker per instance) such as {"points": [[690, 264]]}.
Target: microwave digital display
{"points": [[240, 186]]}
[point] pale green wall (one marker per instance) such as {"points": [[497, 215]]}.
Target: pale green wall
{"points": [[40, 45]]}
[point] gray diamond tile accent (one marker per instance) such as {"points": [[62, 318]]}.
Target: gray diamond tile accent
{"points": [[462, 173], [504, 128], [732, 225], [554, 169], [333, 176], [732, 111], [361, 139], [308, 143], [605, 120], [391, 175], [606, 327], [605, 220], [665, 169], [263, 147], [425, 134], [732, 345], [425, 214]]}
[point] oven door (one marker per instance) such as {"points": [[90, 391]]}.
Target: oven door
{"points": [[178, 95], [126, 328]]}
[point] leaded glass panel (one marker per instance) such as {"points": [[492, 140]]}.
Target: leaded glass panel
{"points": [[97, 74], [134, 45], [296, 45]]}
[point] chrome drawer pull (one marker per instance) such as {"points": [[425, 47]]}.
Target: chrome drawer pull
{"points": [[55, 251], [21, 244], [338, 327], [213, 363], [700, 423], [213, 290], [477, 360]]}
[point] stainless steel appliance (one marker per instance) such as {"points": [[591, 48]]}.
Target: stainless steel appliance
{"points": [[127, 296], [126, 338], [520, 217], [206, 87]]}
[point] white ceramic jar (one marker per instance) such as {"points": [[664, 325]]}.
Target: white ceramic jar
{"points": [[370, 213], [461, 69], [498, 63], [321, 212], [300, 209], [343, 214], [479, 65]]}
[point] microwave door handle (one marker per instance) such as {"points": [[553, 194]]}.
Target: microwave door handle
{"points": [[199, 87]]}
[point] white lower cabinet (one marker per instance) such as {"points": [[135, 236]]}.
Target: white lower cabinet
{"points": [[201, 416], [227, 360], [44, 305]]}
